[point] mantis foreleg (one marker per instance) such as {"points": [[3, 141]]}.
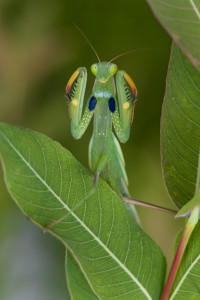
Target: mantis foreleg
{"points": [[75, 90], [122, 115]]}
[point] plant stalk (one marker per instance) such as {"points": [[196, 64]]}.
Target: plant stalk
{"points": [[190, 225]]}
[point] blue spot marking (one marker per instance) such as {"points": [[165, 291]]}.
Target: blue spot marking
{"points": [[92, 103], [111, 104]]}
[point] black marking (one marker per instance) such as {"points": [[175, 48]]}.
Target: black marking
{"points": [[75, 87], [92, 103], [72, 91], [134, 98], [127, 92], [111, 104]]}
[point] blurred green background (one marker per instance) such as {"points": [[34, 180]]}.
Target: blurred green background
{"points": [[39, 50]]}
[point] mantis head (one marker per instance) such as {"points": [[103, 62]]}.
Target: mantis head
{"points": [[103, 71]]}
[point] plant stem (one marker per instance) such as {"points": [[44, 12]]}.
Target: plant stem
{"points": [[190, 225]]}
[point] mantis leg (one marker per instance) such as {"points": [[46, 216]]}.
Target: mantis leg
{"points": [[99, 161], [122, 114], [75, 90], [103, 160]]}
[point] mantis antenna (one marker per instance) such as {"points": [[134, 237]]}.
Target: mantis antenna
{"points": [[86, 38], [127, 52]]}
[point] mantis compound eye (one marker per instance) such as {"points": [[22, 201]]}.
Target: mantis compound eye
{"points": [[113, 69], [94, 69]]}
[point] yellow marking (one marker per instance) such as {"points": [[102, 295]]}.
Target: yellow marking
{"points": [[103, 80], [126, 105], [131, 83], [71, 80], [75, 102]]}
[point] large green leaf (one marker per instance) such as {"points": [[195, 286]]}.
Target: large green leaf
{"points": [[181, 18], [118, 258], [187, 282], [77, 283], [180, 129]]}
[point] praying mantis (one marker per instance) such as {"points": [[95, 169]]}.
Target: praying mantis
{"points": [[105, 154], [112, 104]]}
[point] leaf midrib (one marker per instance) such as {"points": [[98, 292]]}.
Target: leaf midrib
{"points": [[195, 9], [79, 220]]}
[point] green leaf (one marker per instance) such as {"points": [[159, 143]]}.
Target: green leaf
{"points": [[187, 282], [118, 258], [188, 207], [180, 129], [181, 18], [77, 283]]}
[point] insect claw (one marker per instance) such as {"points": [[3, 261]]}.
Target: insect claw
{"points": [[96, 177]]}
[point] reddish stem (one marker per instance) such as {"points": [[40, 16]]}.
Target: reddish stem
{"points": [[177, 259]]}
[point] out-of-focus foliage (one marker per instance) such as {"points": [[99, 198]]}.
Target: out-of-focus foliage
{"points": [[181, 19], [39, 50]]}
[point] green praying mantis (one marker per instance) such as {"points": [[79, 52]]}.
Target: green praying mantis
{"points": [[112, 104], [105, 155]]}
